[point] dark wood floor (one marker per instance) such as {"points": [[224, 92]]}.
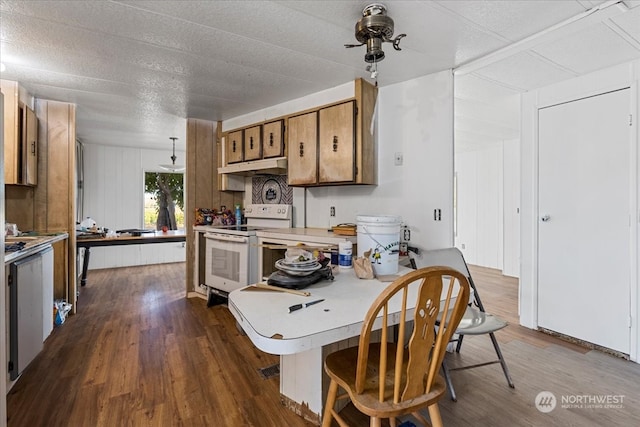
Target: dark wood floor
{"points": [[138, 353]]}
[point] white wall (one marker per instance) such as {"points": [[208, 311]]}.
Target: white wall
{"points": [[625, 75], [480, 214], [488, 193], [328, 96], [487, 135], [511, 208], [113, 197]]}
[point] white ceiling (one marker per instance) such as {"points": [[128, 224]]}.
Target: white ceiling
{"points": [[137, 69]]}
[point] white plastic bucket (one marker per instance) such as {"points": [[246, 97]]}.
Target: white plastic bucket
{"points": [[381, 235]]}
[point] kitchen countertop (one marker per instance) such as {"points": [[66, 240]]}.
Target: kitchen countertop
{"points": [[34, 243], [317, 235]]}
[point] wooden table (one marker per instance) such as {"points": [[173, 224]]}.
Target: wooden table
{"points": [[143, 238], [303, 338]]}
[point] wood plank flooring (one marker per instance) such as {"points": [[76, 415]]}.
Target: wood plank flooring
{"points": [[140, 354]]}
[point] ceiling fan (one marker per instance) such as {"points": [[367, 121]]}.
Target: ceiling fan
{"points": [[374, 28]]}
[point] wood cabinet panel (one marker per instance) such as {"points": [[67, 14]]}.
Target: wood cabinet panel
{"points": [[336, 143], [273, 139], [302, 149], [30, 146], [54, 197], [345, 145], [234, 152], [20, 138], [11, 151], [252, 143]]}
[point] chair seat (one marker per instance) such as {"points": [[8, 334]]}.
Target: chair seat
{"points": [[340, 366], [476, 322]]}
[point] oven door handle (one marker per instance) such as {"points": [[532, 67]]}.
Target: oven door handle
{"points": [[226, 237]]}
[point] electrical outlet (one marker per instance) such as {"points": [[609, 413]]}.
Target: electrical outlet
{"points": [[397, 159], [332, 211]]}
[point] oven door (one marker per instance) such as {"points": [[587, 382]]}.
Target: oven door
{"points": [[227, 261]]}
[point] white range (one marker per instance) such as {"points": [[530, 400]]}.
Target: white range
{"points": [[231, 257]]}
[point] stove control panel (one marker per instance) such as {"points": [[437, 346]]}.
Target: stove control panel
{"points": [[268, 211]]}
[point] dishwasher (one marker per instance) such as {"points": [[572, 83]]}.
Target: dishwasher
{"points": [[29, 297]]}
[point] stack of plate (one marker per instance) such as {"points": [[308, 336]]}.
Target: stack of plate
{"points": [[298, 268]]}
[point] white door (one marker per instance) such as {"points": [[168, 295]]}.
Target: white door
{"points": [[584, 234]]}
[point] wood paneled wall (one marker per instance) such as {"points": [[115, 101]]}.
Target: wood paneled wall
{"points": [[19, 207], [54, 201], [203, 159]]}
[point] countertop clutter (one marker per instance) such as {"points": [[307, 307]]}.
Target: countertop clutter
{"points": [[31, 243]]}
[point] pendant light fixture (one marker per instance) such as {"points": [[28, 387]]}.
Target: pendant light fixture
{"points": [[173, 167]]}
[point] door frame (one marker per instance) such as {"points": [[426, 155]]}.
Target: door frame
{"points": [[619, 77]]}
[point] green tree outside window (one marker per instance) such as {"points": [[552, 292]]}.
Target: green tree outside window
{"points": [[164, 200]]}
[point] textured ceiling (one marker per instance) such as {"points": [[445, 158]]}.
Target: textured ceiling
{"points": [[137, 69]]}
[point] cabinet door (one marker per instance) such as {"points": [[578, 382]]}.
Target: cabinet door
{"points": [[233, 150], [252, 145], [337, 144], [11, 140], [302, 148], [272, 140], [30, 146]]}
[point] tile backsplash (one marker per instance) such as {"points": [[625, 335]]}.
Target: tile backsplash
{"points": [[271, 189]]}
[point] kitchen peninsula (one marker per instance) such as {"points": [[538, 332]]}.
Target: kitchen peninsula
{"points": [[304, 338]]}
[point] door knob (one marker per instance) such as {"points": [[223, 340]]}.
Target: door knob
{"points": [[545, 218]]}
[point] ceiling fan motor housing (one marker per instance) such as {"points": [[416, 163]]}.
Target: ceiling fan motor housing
{"points": [[372, 29]]}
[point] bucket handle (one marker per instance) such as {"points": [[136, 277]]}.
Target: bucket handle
{"points": [[364, 227]]}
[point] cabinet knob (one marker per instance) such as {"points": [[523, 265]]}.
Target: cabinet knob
{"points": [[335, 143], [301, 149], [234, 147], [270, 139], [251, 143], [33, 148]]}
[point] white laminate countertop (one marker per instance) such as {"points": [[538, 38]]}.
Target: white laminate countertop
{"points": [[264, 314], [305, 235], [34, 244]]}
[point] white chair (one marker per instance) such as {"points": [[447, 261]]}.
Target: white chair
{"points": [[476, 321]]}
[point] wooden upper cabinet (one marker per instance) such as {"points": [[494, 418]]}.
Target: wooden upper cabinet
{"points": [[302, 150], [252, 143], [336, 144], [30, 146], [233, 149], [345, 145], [20, 138], [273, 139]]}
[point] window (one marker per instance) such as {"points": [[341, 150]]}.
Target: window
{"points": [[163, 200]]}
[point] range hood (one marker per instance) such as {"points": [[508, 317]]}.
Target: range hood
{"points": [[273, 166]]}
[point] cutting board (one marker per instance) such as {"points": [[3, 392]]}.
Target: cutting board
{"points": [[344, 229]]}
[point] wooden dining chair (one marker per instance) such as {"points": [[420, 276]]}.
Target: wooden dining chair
{"points": [[385, 380]]}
